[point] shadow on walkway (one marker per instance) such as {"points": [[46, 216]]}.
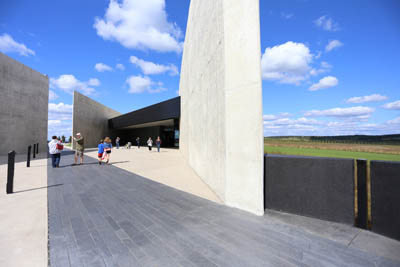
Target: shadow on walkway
{"points": [[112, 217], [32, 189]]}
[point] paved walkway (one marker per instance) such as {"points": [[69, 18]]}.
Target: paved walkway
{"points": [[107, 216], [23, 215], [167, 167]]}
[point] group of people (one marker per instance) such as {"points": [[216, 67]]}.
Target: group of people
{"points": [[104, 149], [149, 143], [56, 146], [103, 153]]}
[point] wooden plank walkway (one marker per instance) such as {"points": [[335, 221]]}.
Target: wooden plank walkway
{"points": [[106, 216]]}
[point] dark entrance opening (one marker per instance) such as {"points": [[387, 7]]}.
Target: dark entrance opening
{"points": [[161, 119]]}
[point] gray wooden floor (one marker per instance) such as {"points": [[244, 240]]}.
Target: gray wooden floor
{"points": [[105, 216]]}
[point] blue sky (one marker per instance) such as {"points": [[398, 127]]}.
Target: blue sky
{"points": [[328, 67]]}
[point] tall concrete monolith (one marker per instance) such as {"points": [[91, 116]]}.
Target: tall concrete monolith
{"points": [[24, 102], [90, 118], [221, 134]]}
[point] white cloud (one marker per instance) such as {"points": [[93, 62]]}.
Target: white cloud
{"points": [[326, 82], [60, 108], [279, 125], [93, 82], [287, 121], [307, 126], [140, 24], [286, 63], [59, 128], [286, 15], [332, 45], [139, 84], [393, 105], [395, 121], [120, 66], [54, 122], [52, 95], [326, 23], [270, 117], [101, 67], [9, 45], [325, 67], [60, 111], [367, 98], [60, 119], [359, 112], [149, 68], [68, 83]]}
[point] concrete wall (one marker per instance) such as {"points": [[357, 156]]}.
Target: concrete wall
{"points": [[221, 133], [90, 118], [385, 198], [322, 188], [24, 97]]}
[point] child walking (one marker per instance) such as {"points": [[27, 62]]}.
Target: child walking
{"points": [[107, 148], [100, 151]]}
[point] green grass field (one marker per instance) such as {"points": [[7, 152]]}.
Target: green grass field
{"points": [[329, 153]]}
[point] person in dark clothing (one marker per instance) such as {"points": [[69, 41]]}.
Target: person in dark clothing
{"points": [[117, 142], [138, 142], [158, 143]]}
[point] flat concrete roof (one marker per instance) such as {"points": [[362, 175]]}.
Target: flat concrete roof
{"points": [[157, 113]]}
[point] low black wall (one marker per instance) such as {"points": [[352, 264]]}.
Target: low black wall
{"points": [[322, 188], [385, 198]]}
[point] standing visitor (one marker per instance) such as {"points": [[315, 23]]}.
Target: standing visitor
{"points": [[79, 148], [138, 142], [107, 148], [117, 142], [149, 143], [55, 147], [100, 151], [128, 145], [158, 143]]}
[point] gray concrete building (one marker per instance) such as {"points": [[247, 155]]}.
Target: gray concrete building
{"points": [[24, 97], [90, 118]]}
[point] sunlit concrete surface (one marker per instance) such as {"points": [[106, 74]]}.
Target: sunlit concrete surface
{"points": [[167, 167], [23, 214], [221, 126]]}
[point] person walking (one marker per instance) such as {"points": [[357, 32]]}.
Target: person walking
{"points": [[107, 149], [158, 143], [117, 142], [100, 151], [128, 145], [55, 147], [150, 143], [138, 142], [80, 147]]}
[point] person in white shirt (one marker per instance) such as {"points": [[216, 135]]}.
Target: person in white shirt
{"points": [[55, 152], [150, 143]]}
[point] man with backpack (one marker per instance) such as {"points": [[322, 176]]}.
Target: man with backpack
{"points": [[55, 147]]}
